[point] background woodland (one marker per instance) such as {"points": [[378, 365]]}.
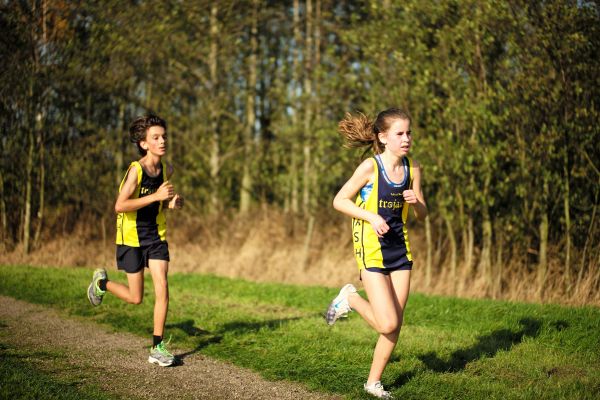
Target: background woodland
{"points": [[504, 96]]}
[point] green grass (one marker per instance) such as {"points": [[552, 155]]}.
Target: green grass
{"points": [[449, 348], [21, 378]]}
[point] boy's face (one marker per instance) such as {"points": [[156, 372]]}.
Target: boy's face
{"points": [[156, 141]]}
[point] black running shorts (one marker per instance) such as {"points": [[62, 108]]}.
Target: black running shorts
{"points": [[133, 259]]}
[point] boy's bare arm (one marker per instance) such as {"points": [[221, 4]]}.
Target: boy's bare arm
{"points": [[177, 201], [124, 201]]}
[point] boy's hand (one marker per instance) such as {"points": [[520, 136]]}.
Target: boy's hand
{"points": [[176, 202], [165, 191]]}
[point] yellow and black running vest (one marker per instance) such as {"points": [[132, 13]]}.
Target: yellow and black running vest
{"points": [[148, 224], [383, 197]]}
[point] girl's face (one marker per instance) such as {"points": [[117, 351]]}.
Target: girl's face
{"points": [[397, 138], [156, 141]]}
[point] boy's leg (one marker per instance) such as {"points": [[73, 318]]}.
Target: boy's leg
{"points": [[158, 353], [129, 259], [134, 292], [159, 269]]}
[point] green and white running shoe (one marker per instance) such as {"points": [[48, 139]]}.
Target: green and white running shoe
{"points": [[376, 389], [339, 307], [161, 356], [94, 293]]}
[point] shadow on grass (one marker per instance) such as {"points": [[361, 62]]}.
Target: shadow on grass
{"points": [[204, 338], [237, 327], [240, 327], [486, 346], [188, 327]]}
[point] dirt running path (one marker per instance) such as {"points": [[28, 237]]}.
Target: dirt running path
{"points": [[116, 362]]}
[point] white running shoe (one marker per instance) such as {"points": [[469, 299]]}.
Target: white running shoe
{"points": [[376, 389], [94, 293], [161, 356], [339, 307]]}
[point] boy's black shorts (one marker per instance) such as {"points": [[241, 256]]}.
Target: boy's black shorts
{"points": [[133, 259]]}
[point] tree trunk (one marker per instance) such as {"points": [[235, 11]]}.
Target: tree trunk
{"points": [[317, 164], [28, 195], [565, 133], [466, 264], [453, 251], [307, 241], [39, 125], [590, 235], [29, 173], [103, 230], [307, 92], [149, 99], [42, 183], [214, 116], [3, 215], [542, 268], [294, 186], [122, 127], [566, 205], [499, 267], [31, 135], [485, 262], [543, 260], [246, 186], [429, 251], [470, 245]]}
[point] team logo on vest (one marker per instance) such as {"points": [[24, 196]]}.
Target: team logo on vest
{"points": [[394, 205], [144, 191]]}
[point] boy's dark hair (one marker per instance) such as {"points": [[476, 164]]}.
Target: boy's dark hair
{"points": [[139, 128]]}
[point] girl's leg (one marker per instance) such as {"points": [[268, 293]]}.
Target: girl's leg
{"points": [[400, 285], [134, 293], [363, 307], [382, 314], [380, 293], [159, 269]]}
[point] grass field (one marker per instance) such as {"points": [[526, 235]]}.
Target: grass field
{"points": [[20, 378], [449, 348]]}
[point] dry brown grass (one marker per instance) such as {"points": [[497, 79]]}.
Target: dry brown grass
{"points": [[272, 246]]}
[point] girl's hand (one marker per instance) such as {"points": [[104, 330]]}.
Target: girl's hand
{"points": [[165, 191], [379, 225], [409, 196], [176, 202]]}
